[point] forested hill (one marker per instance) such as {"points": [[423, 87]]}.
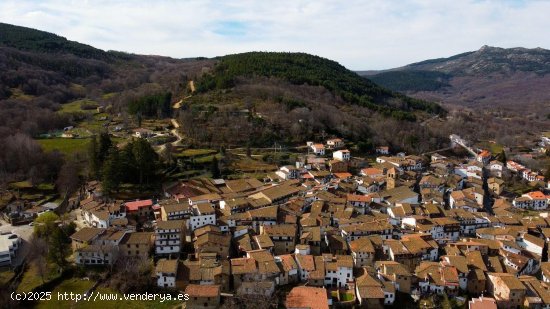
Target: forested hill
{"points": [[40, 41], [301, 68]]}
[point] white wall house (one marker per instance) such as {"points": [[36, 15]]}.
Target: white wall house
{"points": [[166, 271], [168, 237], [203, 214], [342, 155], [9, 244]]}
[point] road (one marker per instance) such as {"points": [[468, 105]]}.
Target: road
{"points": [[25, 233]]}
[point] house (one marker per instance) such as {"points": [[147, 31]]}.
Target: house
{"points": [[484, 157], [96, 254], [372, 172], [212, 242], [173, 210], [496, 185], [395, 273], [141, 208], [470, 199], [514, 166], [535, 200], [482, 303], [166, 271], [169, 237], [258, 265], [532, 244], [278, 194], [202, 214], [383, 150], [437, 278], [507, 290], [203, 296], [537, 294], [359, 202], [256, 289], [205, 269], [85, 236], [335, 143], [338, 270], [288, 269], [337, 166], [143, 133], [93, 246], [318, 149], [136, 245], [9, 244], [283, 237], [362, 252], [497, 168], [342, 155], [301, 297], [400, 195], [288, 172], [369, 291]]}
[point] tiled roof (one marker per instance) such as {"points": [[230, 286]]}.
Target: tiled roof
{"points": [[307, 297], [197, 290]]}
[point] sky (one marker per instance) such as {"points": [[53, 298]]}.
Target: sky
{"points": [[361, 35]]}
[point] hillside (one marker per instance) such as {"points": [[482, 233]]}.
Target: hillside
{"points": [[514, 79], [299, 68], [291, 98]]}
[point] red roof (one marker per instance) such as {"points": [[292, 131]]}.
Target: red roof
{"points": [[197, 290], [359, 198], [484, 154], [134, 206], [307, 297], [342, 175]]}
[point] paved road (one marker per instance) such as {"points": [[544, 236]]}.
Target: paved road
{"points": [[24, 232]]}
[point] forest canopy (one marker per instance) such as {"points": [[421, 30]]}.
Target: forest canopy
{"points": [[301, 68]]}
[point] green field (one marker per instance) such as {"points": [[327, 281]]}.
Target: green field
{"points": [[64, 145], [31, 278], [76, 106], [196, 152]]}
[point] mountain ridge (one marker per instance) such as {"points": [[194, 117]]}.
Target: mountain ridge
{"points": [[515, 78]]}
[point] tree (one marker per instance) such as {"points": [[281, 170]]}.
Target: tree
{"points": [[60, 244], [68, 180], [145, 159], [547, 174], [105, 145], [215, 168], [248, 151], [37, 255], [111, 172], [44, 224], [94, 163], [502, 157]]}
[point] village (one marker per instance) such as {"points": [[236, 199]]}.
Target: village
{"points": [[332, 230]]}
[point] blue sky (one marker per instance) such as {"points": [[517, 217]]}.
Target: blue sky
{"points": [[368, 34]]}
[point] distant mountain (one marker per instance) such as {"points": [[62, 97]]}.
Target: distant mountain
{"points": [[513, 77]]}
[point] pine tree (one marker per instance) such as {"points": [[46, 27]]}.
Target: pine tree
{"points": [[215, 169], [105, 144], [94, 163], [111, 172], [502, 157], [145, 158]]}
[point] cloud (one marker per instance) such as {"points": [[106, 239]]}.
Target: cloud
{"points": [[372, 34]]}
